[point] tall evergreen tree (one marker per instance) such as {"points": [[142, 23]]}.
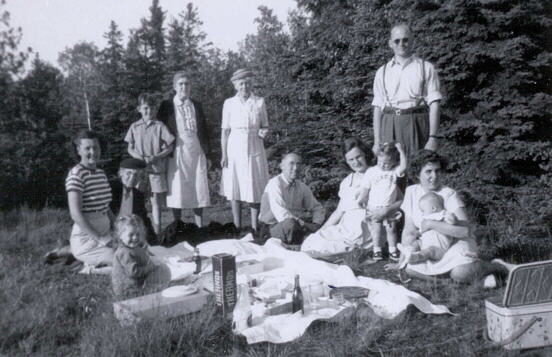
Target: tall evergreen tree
{"points": [[186, 44], [41, 165]]}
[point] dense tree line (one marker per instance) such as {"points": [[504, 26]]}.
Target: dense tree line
{"points": [[493, 57]]}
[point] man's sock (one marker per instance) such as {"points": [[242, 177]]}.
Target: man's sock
{"points": [[392, 249]]}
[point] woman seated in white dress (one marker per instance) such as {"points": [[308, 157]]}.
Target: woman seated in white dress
{"points": [[460, 261], [244, 164], [346, 227]]}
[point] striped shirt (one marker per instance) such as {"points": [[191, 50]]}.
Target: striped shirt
{"points": [[93, 184]]}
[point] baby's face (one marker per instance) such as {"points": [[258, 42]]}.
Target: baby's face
{"points": [[131, 237], [430, 206], [386, 162]]}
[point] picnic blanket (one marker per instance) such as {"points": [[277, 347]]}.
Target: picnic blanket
{"points": [[386, 298]]}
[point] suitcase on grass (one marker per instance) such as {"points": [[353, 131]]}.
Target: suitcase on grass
{"points": [[522, 318]]}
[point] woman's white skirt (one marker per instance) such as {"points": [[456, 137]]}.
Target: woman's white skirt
{"points": [[188, 184], [460, 253], [87, 249], [245, 177], [340, 237]]}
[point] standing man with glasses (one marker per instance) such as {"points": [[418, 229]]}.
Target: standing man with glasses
{"points": [[406, 97]]}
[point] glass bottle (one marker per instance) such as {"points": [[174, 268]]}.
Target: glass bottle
{"points": [[197, 260], [242, 314], [297, 302]]}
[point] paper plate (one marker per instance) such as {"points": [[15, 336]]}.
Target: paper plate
{"points": [[179, 290]]}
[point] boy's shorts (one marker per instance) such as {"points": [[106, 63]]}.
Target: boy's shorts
{"points": [[158, 182]]}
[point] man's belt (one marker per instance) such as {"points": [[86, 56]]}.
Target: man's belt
{"points": [[397, 111]]}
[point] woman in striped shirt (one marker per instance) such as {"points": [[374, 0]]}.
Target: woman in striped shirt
{"points": [[89, 195]]}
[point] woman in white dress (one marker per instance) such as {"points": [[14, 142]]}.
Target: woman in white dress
{"points": [[244, 164], [187, 169], [345, 228], [460, 260]]}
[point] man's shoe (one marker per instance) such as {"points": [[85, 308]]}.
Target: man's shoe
{"points": [[378, 256]]}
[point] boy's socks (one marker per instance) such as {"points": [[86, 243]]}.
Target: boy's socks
{"points": [[392, 249]]}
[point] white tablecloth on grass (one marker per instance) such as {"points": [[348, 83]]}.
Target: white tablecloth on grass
{"points": [[387, 299]]}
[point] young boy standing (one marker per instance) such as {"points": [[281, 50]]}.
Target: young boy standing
{"points": [[150, 140]]}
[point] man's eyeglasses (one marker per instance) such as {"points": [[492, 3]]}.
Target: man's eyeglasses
{"points": [[398, 40]]}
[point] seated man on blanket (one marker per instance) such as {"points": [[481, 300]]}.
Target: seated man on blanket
{"points": [[287, 202]]}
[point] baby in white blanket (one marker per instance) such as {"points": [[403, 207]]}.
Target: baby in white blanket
{"points": [[432, 245]]}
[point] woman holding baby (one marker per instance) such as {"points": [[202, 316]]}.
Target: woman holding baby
{"points": [[446, 216]]}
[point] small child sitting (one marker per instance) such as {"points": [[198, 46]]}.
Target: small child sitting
{"points": [[380, 193], [432, 245], [134, 273]]}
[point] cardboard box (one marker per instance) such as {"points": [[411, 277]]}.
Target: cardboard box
{"points": [[157, 306]]}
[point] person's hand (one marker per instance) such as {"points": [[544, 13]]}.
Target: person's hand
{"points": [[450, 218], [427, 224], [263, 132], [378, 214], [399, 146], [153, 159], [300, 221], [432, 144], [311, 227], [375, 147], [391, 266], [148, 159], [224, 161], [105, 241], [362, 200]]}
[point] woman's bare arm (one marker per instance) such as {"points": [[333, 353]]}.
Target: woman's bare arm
{"points": [[410, 232], [460, 230], [224, 145]]}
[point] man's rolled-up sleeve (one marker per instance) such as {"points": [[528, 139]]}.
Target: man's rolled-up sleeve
{"points": [[379, 95], [433, 92]]}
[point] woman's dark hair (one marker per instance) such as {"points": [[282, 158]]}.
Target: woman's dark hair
{"points": [[424, 157], [84, 134], [351, 143]]}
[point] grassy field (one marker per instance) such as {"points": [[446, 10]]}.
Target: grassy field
{"points": [[50, 310]]}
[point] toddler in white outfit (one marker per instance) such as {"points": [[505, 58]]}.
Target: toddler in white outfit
{"points": [[382, 196]]}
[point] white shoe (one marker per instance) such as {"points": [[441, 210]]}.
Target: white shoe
{"points": [[490, 282], [89, 269], [86, 269]]}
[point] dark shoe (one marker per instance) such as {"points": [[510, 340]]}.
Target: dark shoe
{"points": [[378, 256], [395, 256]]}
